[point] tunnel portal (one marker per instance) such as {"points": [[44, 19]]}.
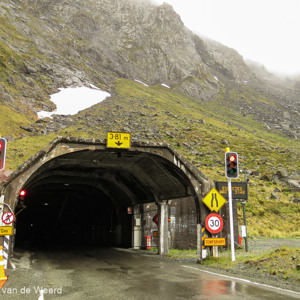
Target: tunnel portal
{"points": [[78, 191]]}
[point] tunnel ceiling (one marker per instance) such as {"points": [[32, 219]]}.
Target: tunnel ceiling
{"points": [[123, 177]]}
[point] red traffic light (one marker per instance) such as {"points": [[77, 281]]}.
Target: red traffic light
{"points": [[232, 158], [22, 193], [231, 165]]}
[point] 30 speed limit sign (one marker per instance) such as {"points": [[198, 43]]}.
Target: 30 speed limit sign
{"points": [[214, 223]]}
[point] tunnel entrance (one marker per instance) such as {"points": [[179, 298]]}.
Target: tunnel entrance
{"points": [[78, 192], [65, 215]]}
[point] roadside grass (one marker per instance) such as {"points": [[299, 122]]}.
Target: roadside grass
{"points": [[283, 262], [177, 253]]}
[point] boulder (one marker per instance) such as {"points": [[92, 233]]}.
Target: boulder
{"points": [[294, 185]]}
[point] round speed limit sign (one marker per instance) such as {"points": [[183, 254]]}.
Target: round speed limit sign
{"points": [[214, 223]]}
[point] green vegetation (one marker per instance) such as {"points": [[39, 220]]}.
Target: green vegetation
{"points": [[24, 148], [283, 262], [197, 130], [11, 120]]}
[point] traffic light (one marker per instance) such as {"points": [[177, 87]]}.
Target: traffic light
{"points": [[22, 193], [2, 153], [231, 165]]}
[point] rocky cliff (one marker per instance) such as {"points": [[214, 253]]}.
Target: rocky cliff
{"points": [[48, 44], [65, 43]]}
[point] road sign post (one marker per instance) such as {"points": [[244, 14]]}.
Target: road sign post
{"points": [[239, 193], [245, 224], [231, 171], [231, 220], [214, 224]]}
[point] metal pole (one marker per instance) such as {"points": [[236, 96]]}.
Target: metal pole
{"points": [[231, 220], [199, 243], [245, 223]]}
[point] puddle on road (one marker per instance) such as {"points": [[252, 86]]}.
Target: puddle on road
{"points": [[209, 286]]}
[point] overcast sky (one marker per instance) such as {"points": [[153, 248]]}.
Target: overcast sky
{"points": [[265, 31]]}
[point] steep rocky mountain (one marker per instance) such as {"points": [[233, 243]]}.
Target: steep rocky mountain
{"points": [[214, 99], [48, 44]]}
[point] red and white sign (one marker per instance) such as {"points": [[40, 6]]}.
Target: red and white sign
{"points": [[214, 223], [155, 219], [8, 218]]}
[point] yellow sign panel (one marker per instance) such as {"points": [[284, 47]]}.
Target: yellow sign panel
{"points": [[214, 200], [6, 230], [214, 242], [118, 140]]}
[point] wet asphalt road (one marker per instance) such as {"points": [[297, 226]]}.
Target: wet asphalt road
{"points": [[110, 273]]}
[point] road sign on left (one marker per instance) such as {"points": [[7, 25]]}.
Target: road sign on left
{"points": [[8, 218], [6, 230]]}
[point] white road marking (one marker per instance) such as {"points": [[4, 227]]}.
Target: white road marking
{"points": [[241, 279], [41, 297]]}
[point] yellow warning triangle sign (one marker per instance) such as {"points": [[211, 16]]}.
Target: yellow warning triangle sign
{"points": [[214, 200]]}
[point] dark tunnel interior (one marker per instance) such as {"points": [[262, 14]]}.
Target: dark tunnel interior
{"points": [[66, 215]]}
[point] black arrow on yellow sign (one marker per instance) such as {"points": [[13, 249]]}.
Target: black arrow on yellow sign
{"points": [[118, 143], [214, 196]]}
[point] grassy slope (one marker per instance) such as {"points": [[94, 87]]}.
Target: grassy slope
{"points": [[175, 119], [282, 262]]}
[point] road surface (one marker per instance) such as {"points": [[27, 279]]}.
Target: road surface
{"points": [[110, 273]]}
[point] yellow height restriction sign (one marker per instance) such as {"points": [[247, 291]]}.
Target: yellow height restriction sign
{"points": [[118, 140], [214, 200], [6, 230]]}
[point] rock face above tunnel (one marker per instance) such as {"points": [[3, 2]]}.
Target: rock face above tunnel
{"points": [[52, 44], [76, 45]]}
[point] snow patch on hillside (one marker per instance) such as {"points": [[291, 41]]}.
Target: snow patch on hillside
{"points": [[69, 101]]}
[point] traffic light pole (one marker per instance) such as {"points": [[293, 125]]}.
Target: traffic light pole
{"points": [[231, 220]]}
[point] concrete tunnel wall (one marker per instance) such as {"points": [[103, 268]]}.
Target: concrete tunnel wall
{"points": [[191, 181]]}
